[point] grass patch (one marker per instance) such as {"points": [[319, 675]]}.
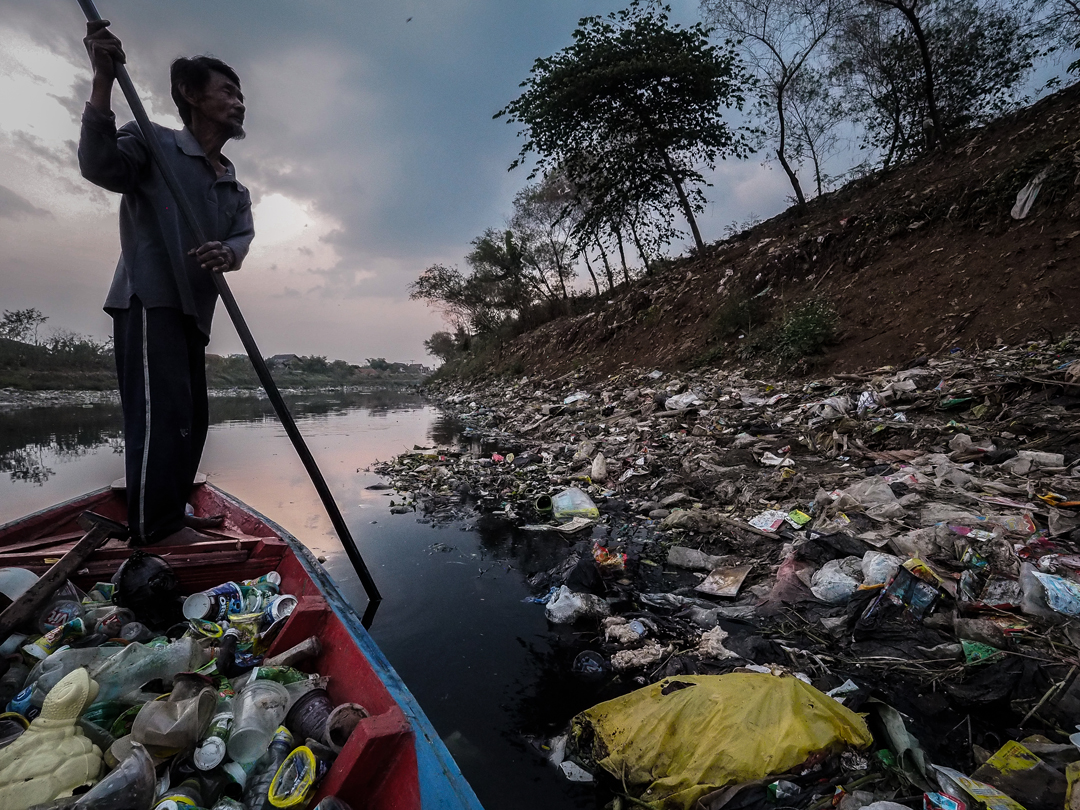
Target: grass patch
{"points": [[806, 330], [803, 331]]}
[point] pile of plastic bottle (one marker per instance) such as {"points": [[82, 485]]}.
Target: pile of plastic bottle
{"points": [[132, 697]]}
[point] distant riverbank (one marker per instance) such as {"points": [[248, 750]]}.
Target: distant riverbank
{"points": [[79, 367], [17, 398]]}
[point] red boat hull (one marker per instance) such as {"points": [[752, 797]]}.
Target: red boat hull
{"points": [[393, 759]]}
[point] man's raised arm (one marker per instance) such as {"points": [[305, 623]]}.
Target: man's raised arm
{"points": [[108, 159]]}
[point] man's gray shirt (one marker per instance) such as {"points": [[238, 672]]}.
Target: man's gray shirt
{"points": [[153, 236]]}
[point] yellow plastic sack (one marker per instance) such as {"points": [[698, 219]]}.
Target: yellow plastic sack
{"points": [[709, 731]]}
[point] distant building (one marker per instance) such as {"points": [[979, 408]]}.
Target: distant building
{"points": [[282, 360]]}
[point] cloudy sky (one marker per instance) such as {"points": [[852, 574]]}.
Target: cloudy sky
{"points": [[371, 154]]}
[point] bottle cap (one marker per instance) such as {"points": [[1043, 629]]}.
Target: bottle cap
{"points": [[210, 753]]}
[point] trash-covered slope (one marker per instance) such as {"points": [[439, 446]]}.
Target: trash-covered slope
{"points": [[906, 540], [917, 260]]}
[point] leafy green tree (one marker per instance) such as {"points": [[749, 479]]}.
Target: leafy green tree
{"points": [[544, 223], [22, 324], [315, 364], [980, 53], [779, 38], [497, 288], [378, 363], [1057, 23], [442, 346], [631, 109]]}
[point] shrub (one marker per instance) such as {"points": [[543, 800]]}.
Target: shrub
{"points": [[806, 329]]}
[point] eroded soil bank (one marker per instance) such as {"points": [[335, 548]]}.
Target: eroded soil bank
{"points": [[916, 260]]}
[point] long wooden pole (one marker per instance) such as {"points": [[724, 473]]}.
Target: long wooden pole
{"points": [[287, 421]]}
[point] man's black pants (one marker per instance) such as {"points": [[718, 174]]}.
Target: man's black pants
{"points": [[161, 368]]}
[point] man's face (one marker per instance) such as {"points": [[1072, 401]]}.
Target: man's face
{"points": [[222, 103]]}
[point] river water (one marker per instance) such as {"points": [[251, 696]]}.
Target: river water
{"points": [[483, 664]]}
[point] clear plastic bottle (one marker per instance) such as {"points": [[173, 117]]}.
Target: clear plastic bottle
{"points": [[257, 787]]}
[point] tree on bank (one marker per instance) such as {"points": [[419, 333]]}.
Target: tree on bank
{"points": [[543, 223], [1057, 23], [631, 109], [980, 54], [22, 324], [779, 37]]}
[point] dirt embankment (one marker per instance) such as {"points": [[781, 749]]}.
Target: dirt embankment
{"points": [[917, 260]]}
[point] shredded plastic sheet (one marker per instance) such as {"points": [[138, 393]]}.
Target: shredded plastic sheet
{"points": [[683, 737]]}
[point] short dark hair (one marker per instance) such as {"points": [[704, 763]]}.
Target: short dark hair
{"points": [[194, 73]]}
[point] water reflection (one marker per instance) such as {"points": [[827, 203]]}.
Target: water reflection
{"points": [[313, 405], [445, 430], [33, 441], [483, 663]]}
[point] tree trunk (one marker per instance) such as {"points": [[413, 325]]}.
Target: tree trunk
{"points": [[592, 275], [546, 290], [782, 146], [622, 255], [684, 201], [559, 271], [894, 144], [817, 167], [928, 66], [607, 265], [640, 249]]}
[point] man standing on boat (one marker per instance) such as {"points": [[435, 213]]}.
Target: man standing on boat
{"points": [[162, 296]]}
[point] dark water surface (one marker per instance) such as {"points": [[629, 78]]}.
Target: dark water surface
{"points": [[482, 663]]}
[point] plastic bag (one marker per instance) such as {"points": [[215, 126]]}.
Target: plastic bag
{"points": [[571, 503], [878, 568], [678, 739], [137, 664], [876, 497], [833, 584], [598, 472], [566, 607], [1061, 595], [680, 402]]}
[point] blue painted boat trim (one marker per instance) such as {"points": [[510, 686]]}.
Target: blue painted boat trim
{"points": [[442, 785]]}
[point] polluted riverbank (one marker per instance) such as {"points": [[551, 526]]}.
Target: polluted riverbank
{"points": [[902, 541]]}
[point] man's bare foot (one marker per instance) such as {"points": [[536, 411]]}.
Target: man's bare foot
{"points": [[185, 537], [209, 522]]}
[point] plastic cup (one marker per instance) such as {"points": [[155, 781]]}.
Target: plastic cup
{"points": [[309, 715], [340, 724], [259, 710]]}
